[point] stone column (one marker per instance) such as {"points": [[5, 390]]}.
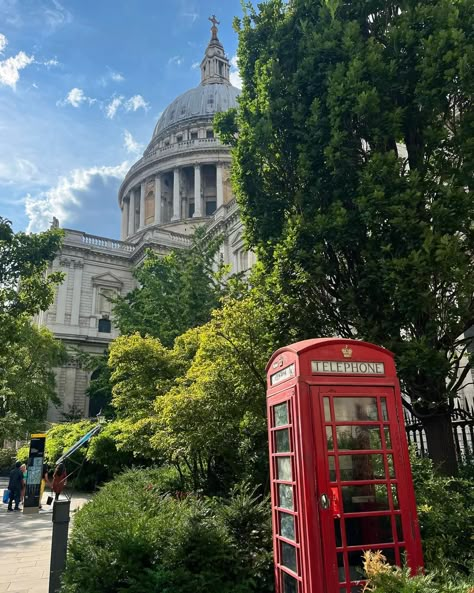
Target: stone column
{"points": [[123, 229], [219, 187], [176, 196], [142, 205], [131, 213], [125, 217], [197, 192], [77, 291], [62, 292], [158, 199]]}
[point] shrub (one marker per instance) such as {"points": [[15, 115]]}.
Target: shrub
{"points": [[133, 537], [7, 459], [92, 464], [383, 578], [446, 514]]}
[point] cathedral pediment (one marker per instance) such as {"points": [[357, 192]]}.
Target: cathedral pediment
{"points": [[107, 279]]}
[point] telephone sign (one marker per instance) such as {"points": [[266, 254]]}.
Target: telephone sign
{"points": [[341, 482]]}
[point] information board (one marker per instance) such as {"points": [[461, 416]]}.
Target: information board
{"points": [[34, 473]]}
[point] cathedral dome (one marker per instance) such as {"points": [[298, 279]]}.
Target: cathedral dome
{"points": [[203, 101]]}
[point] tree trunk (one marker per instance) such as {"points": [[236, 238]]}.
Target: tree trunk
{"points": [[440, 441]]}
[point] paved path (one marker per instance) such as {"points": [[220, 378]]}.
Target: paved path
{"points": [[25, 547]]}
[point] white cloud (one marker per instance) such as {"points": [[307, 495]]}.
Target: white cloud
{"points": [[10, 68], [178, 60], [111, 75], [117, 77], [112, 107], [50, 63], [18, 171], [74, 196], [76, 97], [3, 42], [130, 144], [195, 65], [136, 102], [235, 78], [56, 15]]}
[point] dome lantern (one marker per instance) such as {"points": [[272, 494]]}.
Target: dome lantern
{"points": [[215, 67]]}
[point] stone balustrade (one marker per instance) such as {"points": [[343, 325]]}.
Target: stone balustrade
{"points": [[78, 237], [184, 145]]}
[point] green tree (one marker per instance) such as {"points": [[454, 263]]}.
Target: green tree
{"points": [[26, 287], [27, 382], [27, 354], [175, 292], [212, 421], [353, 170]]}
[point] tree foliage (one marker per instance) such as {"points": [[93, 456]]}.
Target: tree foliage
{"points": [[201, 404], [353, 170], [27, 354], [27, 382], [175, 292]]}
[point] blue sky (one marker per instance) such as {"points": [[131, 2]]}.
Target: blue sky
{"points": [[82, 84]]}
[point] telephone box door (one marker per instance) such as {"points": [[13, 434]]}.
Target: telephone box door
{"points": [[359, 485]]}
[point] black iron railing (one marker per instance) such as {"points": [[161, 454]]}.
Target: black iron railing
{"points": [[463, 431]]}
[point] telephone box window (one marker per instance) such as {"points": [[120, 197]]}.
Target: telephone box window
{"points": [[360, 533], [395, 496], [360, 499], [288, 556], [398, 522], [391, 469], [361, 467], [290, 584], [281, 414], [340, 569], [327, 410], [355, 408], [383, 404], [284, 469], [105, 326], [282, 438], [356, 438], [285, 496], [287, 526]]}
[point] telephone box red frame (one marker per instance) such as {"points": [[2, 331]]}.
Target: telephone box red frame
{"points": [[340, 473]]}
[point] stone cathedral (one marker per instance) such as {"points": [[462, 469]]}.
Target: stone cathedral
{"points": [[180, 183]]}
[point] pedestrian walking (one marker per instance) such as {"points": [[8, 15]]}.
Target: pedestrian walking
{"points": [[59, 480], [23, 488], [15, 485]]}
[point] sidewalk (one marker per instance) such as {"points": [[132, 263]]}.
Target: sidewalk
{"points": [[25, 546]]}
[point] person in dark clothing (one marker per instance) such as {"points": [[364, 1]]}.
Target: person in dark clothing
{"points": [[59, 480], [15, 486]]}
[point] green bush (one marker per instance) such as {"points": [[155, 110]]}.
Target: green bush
{"points": [[383, 578], [133, 537], [446, 514], [90, 465], [7, 459]]}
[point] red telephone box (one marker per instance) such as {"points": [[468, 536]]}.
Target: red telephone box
{"points": [[340, 473]]}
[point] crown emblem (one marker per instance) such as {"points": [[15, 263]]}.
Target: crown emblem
{"points": [[346, 351], [278, 362]]}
